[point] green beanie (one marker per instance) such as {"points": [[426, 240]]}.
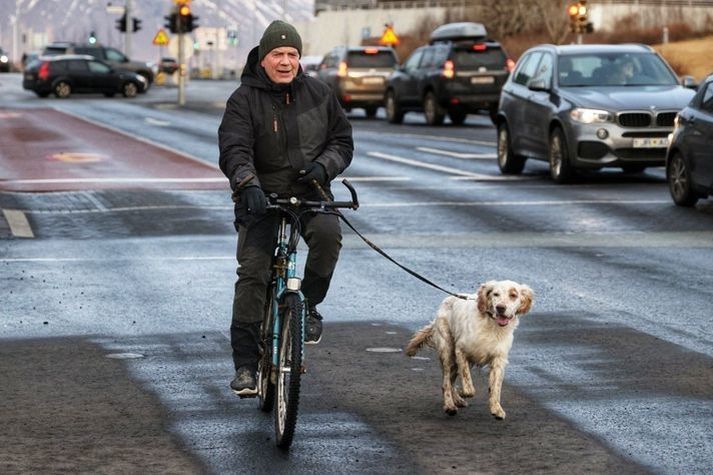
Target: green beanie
{"points": [[277, 34]]}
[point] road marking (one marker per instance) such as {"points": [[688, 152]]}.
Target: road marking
{"points": [[140, 139], [376, 178], [466, 156], [433, 137], [19, 226], [442, 168], [116, 180], [160, 123], [405, 204]]}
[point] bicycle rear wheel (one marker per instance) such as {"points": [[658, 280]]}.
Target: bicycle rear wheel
{"points": [[289, 370], [265, 381]]}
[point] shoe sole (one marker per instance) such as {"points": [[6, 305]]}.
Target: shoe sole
{"points": [[245, 392]]}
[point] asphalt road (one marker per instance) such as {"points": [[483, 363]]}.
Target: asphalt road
{"points": [[612, 371]]}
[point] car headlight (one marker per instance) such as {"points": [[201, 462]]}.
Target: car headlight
{"points": [[590, 116], [141, 78]]}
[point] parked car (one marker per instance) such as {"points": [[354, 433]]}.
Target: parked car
{"points": [[4, 62], [358, 74], [168, 65], [113, 57], [588, 107], [689, 159], [310, 65], [67, 74], [459, 72]]}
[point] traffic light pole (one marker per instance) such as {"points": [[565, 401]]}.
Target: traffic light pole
{"points": [[128, 32], [181, 70]]}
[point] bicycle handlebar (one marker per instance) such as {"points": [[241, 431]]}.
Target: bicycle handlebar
{"points": [[275, 203]]}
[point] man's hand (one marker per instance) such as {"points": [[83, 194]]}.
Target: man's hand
{"points": [[254, 199], [313, 171]]}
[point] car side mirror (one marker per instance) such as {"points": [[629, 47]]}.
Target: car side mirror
{"points": [[689, 82], [537, 85]]}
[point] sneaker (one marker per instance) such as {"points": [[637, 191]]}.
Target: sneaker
{"points": [[313, 330], [244, 383]]}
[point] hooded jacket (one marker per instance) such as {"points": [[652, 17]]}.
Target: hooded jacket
{"points": [[269, 132]]}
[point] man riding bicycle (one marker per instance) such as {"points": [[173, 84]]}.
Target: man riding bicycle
{"points": [[281, 131]]}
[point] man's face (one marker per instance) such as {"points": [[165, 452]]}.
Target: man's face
{"points": [[281, 64]]}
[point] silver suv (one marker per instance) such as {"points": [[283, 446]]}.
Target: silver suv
{"points": [[588, 107]]}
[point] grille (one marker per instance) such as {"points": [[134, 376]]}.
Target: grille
{"points": [[665, 119], [635, 119], [645, 134]]}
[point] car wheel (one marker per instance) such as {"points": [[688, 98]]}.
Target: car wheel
{"points": [[633, 168], [509, 163], [129, 89], [457, 117], [679, 181], [371, 112], [394, 114], [561, 170], [62, 89], [434, 113]]}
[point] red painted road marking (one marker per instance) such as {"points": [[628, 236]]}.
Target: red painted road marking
{"points": [[86, 155]]}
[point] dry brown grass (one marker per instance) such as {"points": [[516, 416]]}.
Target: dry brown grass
{"points": [[692, 57]]}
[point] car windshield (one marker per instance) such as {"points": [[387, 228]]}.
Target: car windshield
{"points": [[476, 56], [614, 69], [369, 59]]}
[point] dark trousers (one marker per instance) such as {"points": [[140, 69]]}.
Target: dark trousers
{"points": [[256, 246]]}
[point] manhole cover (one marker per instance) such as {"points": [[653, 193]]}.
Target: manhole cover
{"points": [[124, 356]]}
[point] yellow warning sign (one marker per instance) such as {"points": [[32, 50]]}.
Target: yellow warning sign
{"points": [[389, 38], [161, 38]]}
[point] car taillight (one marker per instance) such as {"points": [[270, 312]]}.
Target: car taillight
{"points": [[371, 51], [509, 65], [480, 47], [449, 70], [44, 71], [342, 73]]}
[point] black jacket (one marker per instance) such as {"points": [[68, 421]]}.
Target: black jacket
{"points": [[270, 132]]}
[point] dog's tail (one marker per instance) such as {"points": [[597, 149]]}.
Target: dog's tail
{"points": [[420, 338]]}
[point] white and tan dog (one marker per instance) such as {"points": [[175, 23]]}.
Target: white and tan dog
{"points": [[477, 331]]}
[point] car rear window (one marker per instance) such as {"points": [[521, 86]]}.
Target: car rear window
{"points": [[473, 57], [366, 59], [53, 50], [96, 52]]}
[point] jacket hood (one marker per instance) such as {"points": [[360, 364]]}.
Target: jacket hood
{"points": [[254, 75]]}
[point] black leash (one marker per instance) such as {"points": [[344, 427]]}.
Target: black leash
{"points": [[381, 251]]}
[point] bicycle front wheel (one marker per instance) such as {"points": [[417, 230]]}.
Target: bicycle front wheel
{"points": [[289, 370], [266, 386]]}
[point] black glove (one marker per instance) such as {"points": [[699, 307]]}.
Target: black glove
{"points": [[254, 199], [315, 171]]}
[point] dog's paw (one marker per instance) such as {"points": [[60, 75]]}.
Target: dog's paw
{"points": [[459, 401], [450, 410], [498, 412], [467, 392]]}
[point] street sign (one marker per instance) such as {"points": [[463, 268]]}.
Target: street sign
{"points": [[389, 38], [161, 38]]}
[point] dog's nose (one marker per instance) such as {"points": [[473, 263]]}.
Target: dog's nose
{"points": [[500, 309]]}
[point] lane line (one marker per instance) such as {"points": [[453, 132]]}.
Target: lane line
{"points": [[465, 156], [19, 226], [157, 122], [376, 178], [433, 137], [116, 180], [445, 169]]}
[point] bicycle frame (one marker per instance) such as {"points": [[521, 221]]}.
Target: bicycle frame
{"points": [[286, 280]]}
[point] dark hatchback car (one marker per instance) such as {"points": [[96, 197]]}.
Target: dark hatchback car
{"points": [[357, 75], [459, 72], [689, 161], [588, 107], [67, 74]]}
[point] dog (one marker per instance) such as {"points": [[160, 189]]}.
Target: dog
{"points": [[477, 331]]}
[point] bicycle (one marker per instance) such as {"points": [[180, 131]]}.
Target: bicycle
{"points": [[281, 364]]}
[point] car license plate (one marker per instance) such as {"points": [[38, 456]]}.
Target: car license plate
{"points": [[373, 80], [651, 142], [482, 80], [28, 77]]}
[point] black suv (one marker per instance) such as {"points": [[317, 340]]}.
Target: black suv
{"points": [[65, 74], [113, 57], [358, 74], [459, 72]]}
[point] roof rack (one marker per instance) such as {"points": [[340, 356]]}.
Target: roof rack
{"points": [[459, 31]]}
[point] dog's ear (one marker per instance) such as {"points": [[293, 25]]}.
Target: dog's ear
{"points": [[483, 295], [526, 297]]}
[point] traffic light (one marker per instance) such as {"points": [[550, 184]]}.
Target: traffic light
{"points": [[579, 17], [172, 22], [92, 38], [135, 24], [186, 19], [121, 24]]}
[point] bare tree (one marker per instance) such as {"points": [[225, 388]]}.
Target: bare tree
{"points": [[555, 18]]}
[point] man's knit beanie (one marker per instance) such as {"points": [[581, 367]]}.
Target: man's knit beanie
{"points": [[277, 34]]}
